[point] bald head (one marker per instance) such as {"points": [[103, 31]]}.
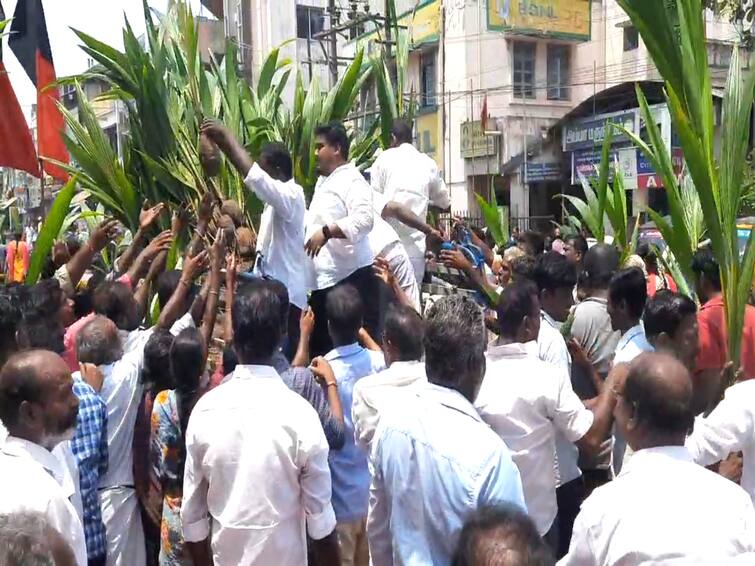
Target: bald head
{"points": [[659, 388], [30, 382], [98, 342]]}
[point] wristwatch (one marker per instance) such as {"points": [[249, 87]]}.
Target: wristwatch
{"points": [[326, 232]]}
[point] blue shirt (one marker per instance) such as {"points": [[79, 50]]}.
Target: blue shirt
{"points": [[435, 462], [349, 473], [89, 446]]}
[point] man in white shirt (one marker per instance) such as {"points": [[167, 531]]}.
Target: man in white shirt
{"points": [[39, 410], [729, 428], [627, 294], [99, 343], [280, 254], [525, 400], [256, 479], [434, 462], [339, 219], [663, 508], [556, 277], [403, 333], [404, 174]]}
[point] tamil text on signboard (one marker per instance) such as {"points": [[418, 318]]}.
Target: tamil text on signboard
{"points": [[590, 132], [554, 18]]}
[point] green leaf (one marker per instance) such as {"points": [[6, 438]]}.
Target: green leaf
{"points": [[50, 229]]}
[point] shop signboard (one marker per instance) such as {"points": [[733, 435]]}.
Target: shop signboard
{"points": [[538, 172], [564, 19], [590, 132]]}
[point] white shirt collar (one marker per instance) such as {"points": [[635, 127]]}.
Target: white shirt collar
{"points": [[549, 319], [20, 447], [652, 456], [251, 371], [513, 350]]}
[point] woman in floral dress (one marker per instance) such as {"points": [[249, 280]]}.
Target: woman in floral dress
{"points": [[170, 416]]}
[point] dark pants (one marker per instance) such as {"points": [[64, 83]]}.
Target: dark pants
{"points": [[101, 561], [551, 537], [569, 498], [367, 284]]}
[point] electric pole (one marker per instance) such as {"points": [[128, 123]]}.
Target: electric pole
{"points": [[333, 58]]}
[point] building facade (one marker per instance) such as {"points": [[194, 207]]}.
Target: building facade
{"points": [[497, 82]]}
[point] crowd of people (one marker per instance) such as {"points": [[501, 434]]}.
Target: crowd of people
{"points": [[306, 408]]}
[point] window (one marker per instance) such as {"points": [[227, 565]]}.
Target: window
{"points": [[559, 60], [309, 21], [719, 55], [524, 69], [428, 78], [631, 38]]}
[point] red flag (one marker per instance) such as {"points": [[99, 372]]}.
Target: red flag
{"points": [[16, 145], [484, 114], [29, 42]]}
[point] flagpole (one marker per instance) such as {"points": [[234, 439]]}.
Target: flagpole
{"points": [[42, 189]]}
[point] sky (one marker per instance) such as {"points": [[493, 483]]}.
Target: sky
{"points": [[102, 19]]}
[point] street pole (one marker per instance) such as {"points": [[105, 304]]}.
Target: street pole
{"points": [[388, 24], [333, 44]]}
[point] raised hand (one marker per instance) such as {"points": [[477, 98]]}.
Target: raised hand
{"points": [[456, 259], [323, 372], [218, 246], [206, 206], [162, 242], [194, 265], [230, 271], [215, 130], [307, 322], [148, 216], [103, 234], [383, 270]]}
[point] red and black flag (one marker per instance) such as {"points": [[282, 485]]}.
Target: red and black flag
{"points": [[16, 146], [30, 44]]}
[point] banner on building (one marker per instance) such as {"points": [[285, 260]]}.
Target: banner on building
{"points": [[423, 21], [566, 19]]}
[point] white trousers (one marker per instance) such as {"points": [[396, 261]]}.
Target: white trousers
{"points": [[123, 526], [418, 265]]}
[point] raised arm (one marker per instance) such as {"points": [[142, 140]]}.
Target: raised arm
{"points": [[306, 328], [145, 258], [457, 260], [403, 214], [230, 294], [147, 217], [211, 308], [383, 270], [83, 258], [229, 145], [206, 206], [192, 267]]}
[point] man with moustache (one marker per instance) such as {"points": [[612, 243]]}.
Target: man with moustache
{"points": [[39, 409]]}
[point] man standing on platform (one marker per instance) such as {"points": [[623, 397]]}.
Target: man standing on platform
{"points": [[405, 175], [340, 217]]}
